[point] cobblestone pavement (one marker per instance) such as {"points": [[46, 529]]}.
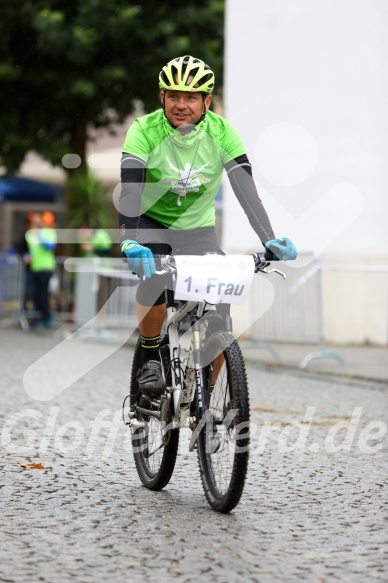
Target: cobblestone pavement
{"points": [[315, 514]]}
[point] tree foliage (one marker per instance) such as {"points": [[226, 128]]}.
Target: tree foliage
{"points": [[70, 65], [89, 202]]}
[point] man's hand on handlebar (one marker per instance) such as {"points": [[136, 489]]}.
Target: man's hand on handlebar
{"points": [[138, 256], [282, 249]]}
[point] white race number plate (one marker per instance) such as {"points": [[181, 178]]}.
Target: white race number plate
{"points": [[214, 278]]}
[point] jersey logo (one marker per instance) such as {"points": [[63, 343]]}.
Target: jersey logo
{"points": [[189, 180]]}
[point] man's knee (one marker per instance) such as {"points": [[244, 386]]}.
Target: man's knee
{"points": [[145, 295]]}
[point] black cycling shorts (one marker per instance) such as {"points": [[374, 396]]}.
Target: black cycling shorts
{"points": [[164, 241]]}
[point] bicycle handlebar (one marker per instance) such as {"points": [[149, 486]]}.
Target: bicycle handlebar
{"points": [[262, 260]]}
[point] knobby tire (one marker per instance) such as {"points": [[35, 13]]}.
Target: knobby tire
{"points": [[223, 453], [155, 471]]}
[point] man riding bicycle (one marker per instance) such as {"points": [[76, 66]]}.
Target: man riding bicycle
{"points": [[171, 170]]}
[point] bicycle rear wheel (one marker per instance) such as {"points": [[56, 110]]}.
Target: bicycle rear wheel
{"points": [[154, 452], [223, 442]]}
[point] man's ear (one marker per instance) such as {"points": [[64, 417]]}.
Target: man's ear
{"points": [[161, 95], [207, 101]]}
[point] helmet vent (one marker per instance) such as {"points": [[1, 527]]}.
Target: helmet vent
{"points": [[187, 74]]}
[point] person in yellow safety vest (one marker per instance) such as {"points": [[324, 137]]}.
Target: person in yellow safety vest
{"points": [[41, 241], [94, 242]]}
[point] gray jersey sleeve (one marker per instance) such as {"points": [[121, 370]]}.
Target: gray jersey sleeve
{"points": [[240, 176]]}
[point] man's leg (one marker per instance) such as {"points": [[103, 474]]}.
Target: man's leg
{"points": [[150, 376], [39, 295], [151, 310], [45, 296], [151, 320]]}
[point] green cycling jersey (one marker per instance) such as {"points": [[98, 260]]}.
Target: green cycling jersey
{"points": [[183, 172]]}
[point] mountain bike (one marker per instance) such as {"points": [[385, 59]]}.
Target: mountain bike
{"points": [[207, 388]]}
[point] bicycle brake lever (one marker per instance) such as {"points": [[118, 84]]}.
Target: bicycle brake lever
{"points": [[161, 272], [274, 271]]}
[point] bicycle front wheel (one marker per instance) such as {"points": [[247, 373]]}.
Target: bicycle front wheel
{"points": [[223, 441], [154, 450]]}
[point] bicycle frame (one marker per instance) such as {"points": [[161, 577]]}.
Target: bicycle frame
{"points": [[182, 388], [174, 317]]}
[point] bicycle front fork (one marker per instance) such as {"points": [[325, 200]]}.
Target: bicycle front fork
{"points": [[198, 362]]}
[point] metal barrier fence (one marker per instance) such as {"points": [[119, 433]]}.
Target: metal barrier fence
{"points": [[119, 286], [61, 292], [12, 282], [296, 313], [80, 290], [99, 294], [104, 294]]}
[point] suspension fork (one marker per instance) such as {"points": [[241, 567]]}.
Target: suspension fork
{"points": [[176, 372], [198, 362], [173, 337], [203, 414]]}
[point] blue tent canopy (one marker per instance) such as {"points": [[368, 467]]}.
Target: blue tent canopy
{"points": [[17, 189]]}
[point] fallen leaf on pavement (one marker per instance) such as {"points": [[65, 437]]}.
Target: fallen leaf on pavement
{"points": [[28, 466]]}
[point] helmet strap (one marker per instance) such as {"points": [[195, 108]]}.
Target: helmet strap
{"points": [[204, 112]]}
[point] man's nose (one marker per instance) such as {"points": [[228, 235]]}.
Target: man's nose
{"points": [[181, 103]]}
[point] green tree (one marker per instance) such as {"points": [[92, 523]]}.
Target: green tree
{"points": [[89, 202], [70, 65]]}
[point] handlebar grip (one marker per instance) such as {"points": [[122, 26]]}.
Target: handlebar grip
{"points": [[269, 256]]}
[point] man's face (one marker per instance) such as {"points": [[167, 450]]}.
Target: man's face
{"points": [[35, 221], [184, 107], [85, 233]]}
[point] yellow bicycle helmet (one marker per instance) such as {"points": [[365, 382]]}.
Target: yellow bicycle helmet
{"points": [[186, 74]]}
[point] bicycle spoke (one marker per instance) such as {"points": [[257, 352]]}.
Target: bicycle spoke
{"points": [[154, 451], [223, 449], [222, 459]]}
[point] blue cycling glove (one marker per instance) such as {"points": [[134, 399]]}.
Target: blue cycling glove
{"points": [[283, 249], [137, 256]]}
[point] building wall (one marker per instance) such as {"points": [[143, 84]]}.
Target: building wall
{"points": [[306, 86], [355, 294]]}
